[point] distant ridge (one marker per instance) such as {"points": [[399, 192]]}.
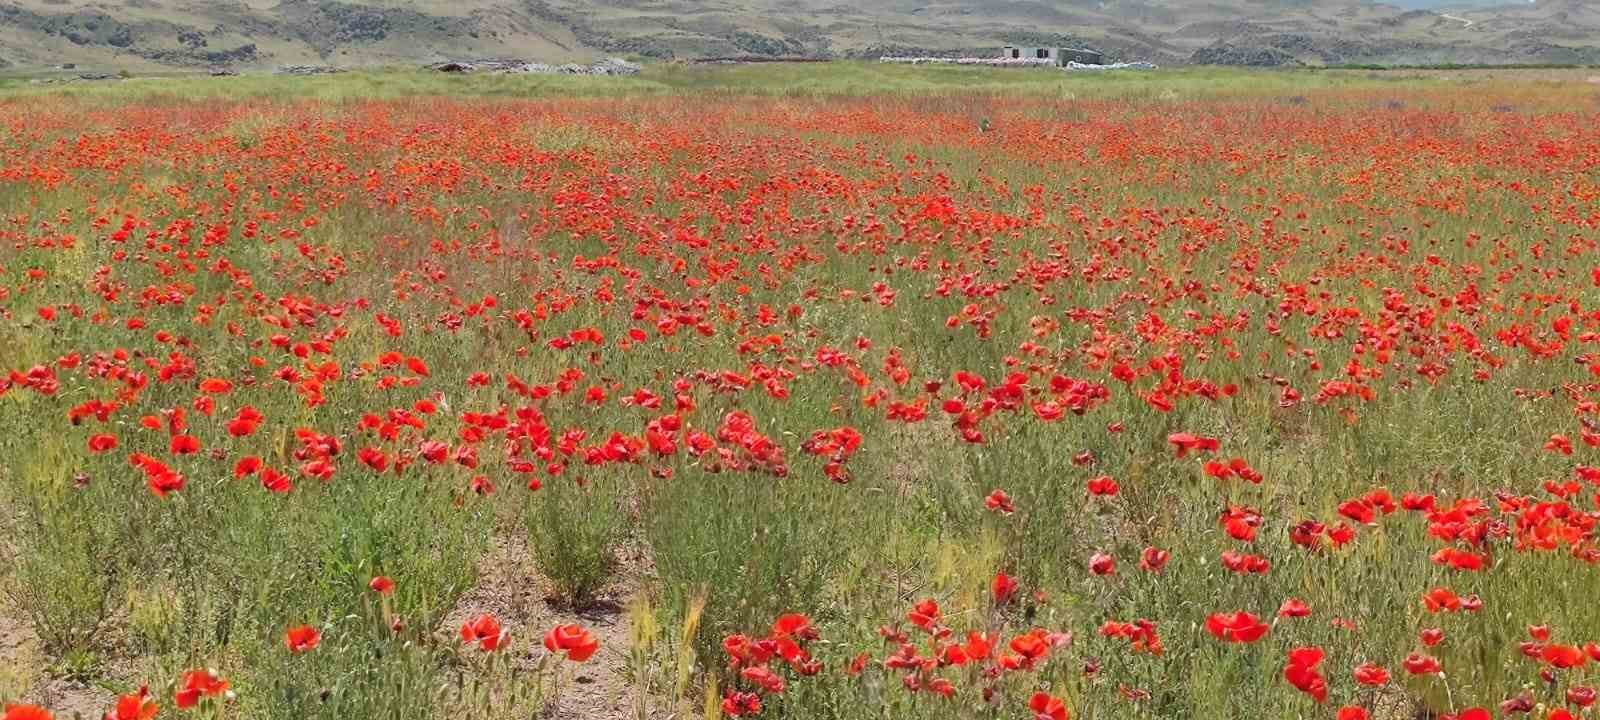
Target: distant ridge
{"points": [[253, 34]]}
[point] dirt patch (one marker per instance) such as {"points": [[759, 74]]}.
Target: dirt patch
{"points": [[24, 665], [601, 688], [71, 699], [18, 656], [24, 676], [509, 587], [512, 589]]}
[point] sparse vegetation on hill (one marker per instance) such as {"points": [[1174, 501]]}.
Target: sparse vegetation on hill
{"points": [[155, 34]]}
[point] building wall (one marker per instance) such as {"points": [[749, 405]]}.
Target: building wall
{"points": [[1060, 55], [1088, 57]]}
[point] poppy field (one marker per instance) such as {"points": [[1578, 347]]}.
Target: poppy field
{"points": [[707, 404]]}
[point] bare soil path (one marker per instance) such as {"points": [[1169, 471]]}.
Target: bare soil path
{"points": [[512, 589], [25, 668]]}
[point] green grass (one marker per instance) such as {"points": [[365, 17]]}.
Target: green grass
{"points": [[842, 78]]}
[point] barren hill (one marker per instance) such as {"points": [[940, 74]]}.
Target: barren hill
{"points": [[244, 34]]}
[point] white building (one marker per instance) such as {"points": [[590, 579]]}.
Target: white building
{"points": [[1057, 55]]}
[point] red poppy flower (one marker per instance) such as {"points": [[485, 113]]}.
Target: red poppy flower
{"points": [[1153, 559], [1031, 647], [1459, 559], [1244, 563], [924, 614], [1563, 656], [1184, 443], [741, 704], [1238, 627], [198, 684], [242, 427], [574, 640], [102, 443], [1371, 674], [302, 639], [764, 678], [998, 501], [1301, 672], [1103, 486], [1441, 599], [26, 712], [1414, 501], [978, 646], [1003, 588], [163, 482], [1352, 712], [794, 625], [275, 481], [1518, 705], [185, 445], [485, 631], [1307, 534], [1047, 707], [373, 458], [434, 451], [1359, 511], [1341, 535], [381, 585], [1240, 522], [246, 466], [1419, 664], [134, 706]]}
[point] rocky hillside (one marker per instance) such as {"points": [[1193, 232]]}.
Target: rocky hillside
{"points": [[143, 35]]}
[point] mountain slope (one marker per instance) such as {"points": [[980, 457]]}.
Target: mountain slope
{"points": [[148, 34]]}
